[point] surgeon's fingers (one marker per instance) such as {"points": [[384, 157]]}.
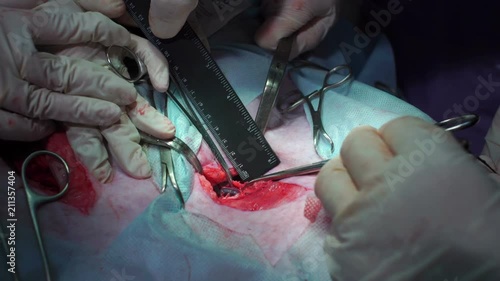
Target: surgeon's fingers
{"points": [[311, 35], [126, 20], [48, 105], [491, 149], [423, 136], [308, 37], [74, 28], [110, 8], [155, 62], [146, 118], [88, 145], [166, 17], [78, 77], [20, 128], [334, 187], [312, 20], [123, 144], [277, 27], [366, 156]]}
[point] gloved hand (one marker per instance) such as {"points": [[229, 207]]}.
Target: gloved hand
{"points": [[166, 17], [122, 137], [312, 19], [27, 106], [408, 203], [491, 151]]}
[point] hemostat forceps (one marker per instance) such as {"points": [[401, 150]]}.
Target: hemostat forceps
{"points": [[167, 169], [334, 78], [125, 63], [167, 164], [177, 145], [60, 169]]}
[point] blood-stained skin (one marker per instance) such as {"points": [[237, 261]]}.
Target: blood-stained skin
{"points": [[261, 195]]}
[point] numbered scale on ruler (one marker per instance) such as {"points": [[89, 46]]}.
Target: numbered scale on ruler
{"points": [[205, 85]]}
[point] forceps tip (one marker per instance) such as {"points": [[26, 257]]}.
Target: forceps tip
{"points": [[229, 191], [459, 122]]}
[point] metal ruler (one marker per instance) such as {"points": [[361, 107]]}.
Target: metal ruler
{"points": [[202, 81]]}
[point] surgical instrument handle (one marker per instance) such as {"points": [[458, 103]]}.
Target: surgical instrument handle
{"points": [[297, 171], [458, 123], [35, 200], [177, 145], [452, 124], [273, 81]]}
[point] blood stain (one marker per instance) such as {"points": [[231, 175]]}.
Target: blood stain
{"points": [[80, 194], [142, 109], [312, 208]]}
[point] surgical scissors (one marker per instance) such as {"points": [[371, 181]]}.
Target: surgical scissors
{"points": [[126, 64], [36, 199], [339, 78]]}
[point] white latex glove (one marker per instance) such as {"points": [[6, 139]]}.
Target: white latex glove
{"points": [[122, 137], [409, 204], [312, 18], [166, 17], [491, 151], [85, 94]]}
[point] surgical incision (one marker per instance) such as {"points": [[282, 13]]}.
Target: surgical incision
{"points": [[261, 195]]}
